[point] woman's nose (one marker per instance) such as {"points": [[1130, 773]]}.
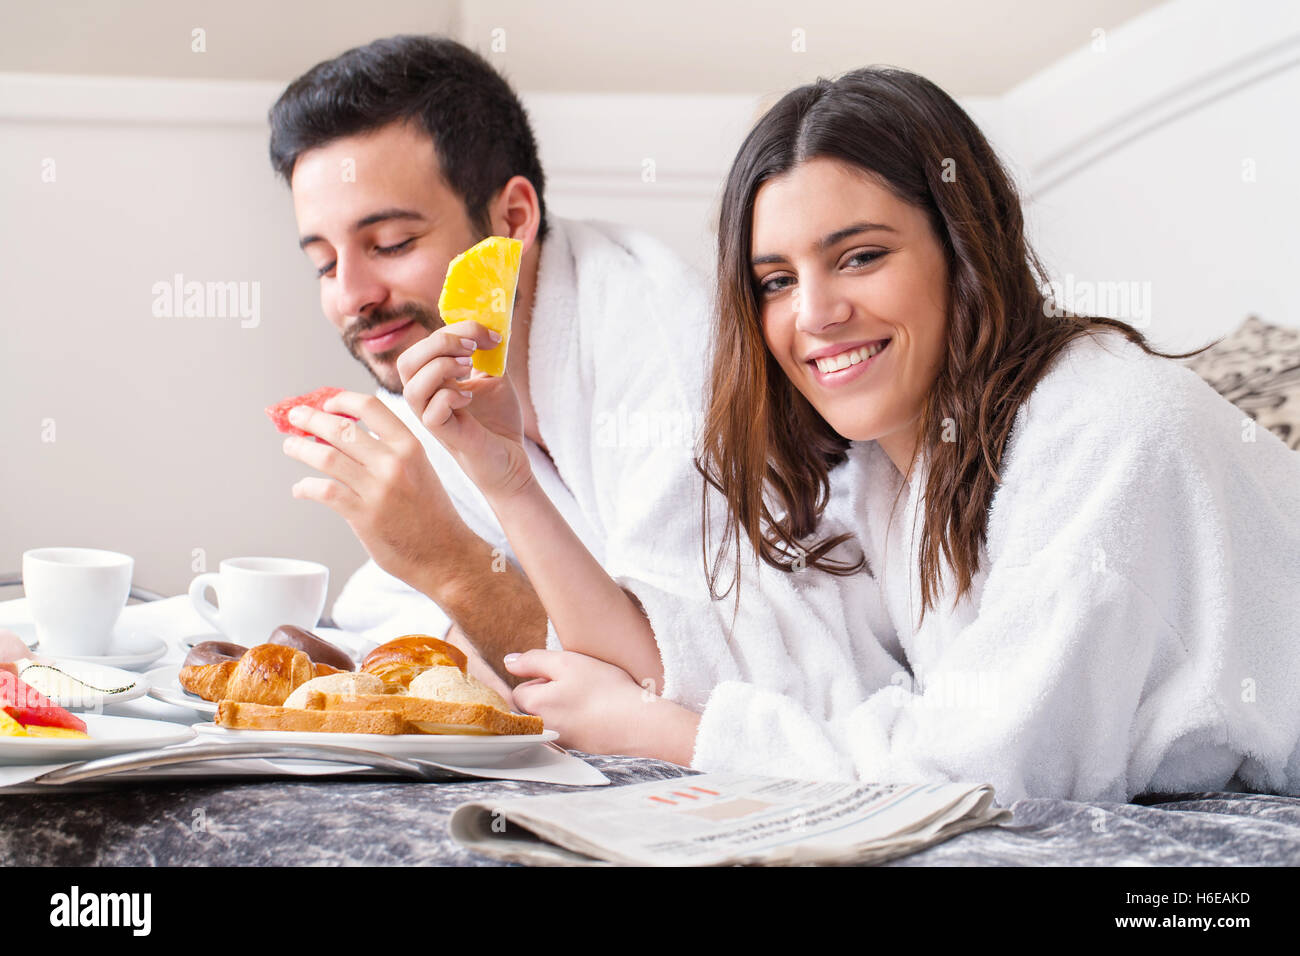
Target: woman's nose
{"points": [[818, 306]]}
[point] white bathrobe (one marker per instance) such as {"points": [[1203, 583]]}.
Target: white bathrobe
{"points": [[1134, 627], [618, 348]]}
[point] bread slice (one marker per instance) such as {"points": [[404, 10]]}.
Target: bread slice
{"points": [[242, 716], [430, 716]]}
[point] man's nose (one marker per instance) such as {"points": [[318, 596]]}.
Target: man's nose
{"points": [[819, 306], [356, 285]]}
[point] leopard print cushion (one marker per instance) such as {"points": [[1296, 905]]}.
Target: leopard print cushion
{"points": [[1257, 368]]}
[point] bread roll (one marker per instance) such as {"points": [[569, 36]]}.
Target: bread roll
{"points": [[403, 658], [344, 683], [449, 684]]}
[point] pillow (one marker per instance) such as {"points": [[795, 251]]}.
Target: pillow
{"points": [[1257, 368]]}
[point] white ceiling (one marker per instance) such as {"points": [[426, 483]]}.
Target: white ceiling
{"points": [[670, 46]]}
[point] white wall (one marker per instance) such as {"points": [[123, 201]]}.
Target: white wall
{"points": [[160, 445]]}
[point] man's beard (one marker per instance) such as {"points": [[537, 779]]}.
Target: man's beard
{"points": [[388, 379]]}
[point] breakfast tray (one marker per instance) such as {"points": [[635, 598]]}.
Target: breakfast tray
{"points": [[252, 760]]}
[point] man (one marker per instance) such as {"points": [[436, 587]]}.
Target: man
{"points": [[400, 155]]}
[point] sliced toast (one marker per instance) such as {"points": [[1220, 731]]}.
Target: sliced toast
{"points": [[241, 716], [429, 716]]}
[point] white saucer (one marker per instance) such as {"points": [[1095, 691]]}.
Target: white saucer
{"points": [[449, 748], [132, 649], [108, 736], [164, 686], [72, 696]]}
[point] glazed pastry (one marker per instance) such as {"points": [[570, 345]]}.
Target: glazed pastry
{"points": [[403, 658]]}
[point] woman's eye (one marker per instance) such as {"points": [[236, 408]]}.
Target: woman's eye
{"points": [[389, 250], [864, 258], [320, 273], [771, 286]]}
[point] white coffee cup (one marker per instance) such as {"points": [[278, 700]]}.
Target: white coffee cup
{"points": [[257, 595], [76, 596]]}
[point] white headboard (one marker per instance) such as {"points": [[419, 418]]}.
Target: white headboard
{"points": [[1167, 154]]}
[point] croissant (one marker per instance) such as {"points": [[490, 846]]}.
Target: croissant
{"points": [[404, 657], [266, 674]]}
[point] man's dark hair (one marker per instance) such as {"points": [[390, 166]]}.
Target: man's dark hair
{"points": [[480, 130]]}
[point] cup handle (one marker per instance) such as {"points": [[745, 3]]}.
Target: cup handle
{"points": [[198, 597]]}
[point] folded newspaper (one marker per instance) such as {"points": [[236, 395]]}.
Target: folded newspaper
{"points": [[725, 819]]}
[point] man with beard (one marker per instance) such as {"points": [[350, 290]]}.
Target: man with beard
{"points": [[400, 155]]}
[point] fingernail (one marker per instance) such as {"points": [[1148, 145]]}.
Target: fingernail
{"points": [[509, 658], [469, 344], [494, 336], [465, 393], [464, 359], [297, 414]]}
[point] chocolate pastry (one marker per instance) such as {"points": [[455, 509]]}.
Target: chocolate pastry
{"points": [[320, 651], [213, 652]]}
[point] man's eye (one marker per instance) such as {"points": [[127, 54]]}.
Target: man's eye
{"points": [[389, 250]]}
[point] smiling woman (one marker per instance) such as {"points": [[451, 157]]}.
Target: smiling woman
{"points": [[1077, 618]]}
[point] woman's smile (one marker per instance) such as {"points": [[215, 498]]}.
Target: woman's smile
{"points": [[847, 365]]}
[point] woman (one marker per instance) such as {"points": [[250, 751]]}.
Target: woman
{"points": [[1089, 573], [1091, 570]]}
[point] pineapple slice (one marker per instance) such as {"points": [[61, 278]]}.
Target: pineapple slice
{"points": [[36, 730], [480, 285], [10, 727]]}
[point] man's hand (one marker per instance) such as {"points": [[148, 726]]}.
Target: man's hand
{"points": [[476, 417], [382, 484]]}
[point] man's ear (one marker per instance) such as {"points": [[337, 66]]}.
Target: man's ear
{"points": [[516, 211]]}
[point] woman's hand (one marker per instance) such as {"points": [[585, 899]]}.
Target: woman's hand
{"points": [[483, 430], [597, 708], [382, 484]]}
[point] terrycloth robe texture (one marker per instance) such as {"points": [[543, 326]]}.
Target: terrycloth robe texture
{"points": [[1134, 626]]}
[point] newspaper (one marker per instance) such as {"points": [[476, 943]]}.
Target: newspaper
{"points": [[725, 819]]}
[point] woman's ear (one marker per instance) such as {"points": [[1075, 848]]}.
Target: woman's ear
{"points": [[516, 211]]}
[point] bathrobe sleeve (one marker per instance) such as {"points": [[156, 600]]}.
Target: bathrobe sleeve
{"points": [[1097, 664], [646, 335]]}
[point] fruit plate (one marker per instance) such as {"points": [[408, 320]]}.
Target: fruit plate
{"points": [[79, 685], [108, 736], [450, 748]]}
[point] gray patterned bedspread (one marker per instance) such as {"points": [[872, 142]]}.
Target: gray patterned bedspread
{"points": [[340, 821]]}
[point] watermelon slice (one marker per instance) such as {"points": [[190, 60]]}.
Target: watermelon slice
{"points": [[279, 412], [27, 705]]}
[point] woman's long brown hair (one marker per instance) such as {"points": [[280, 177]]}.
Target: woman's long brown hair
{"points": [[762, 438]]}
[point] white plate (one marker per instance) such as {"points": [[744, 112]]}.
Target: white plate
{"points": [[164, 686], [451, 748], [73, 697], [108, 736]]}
